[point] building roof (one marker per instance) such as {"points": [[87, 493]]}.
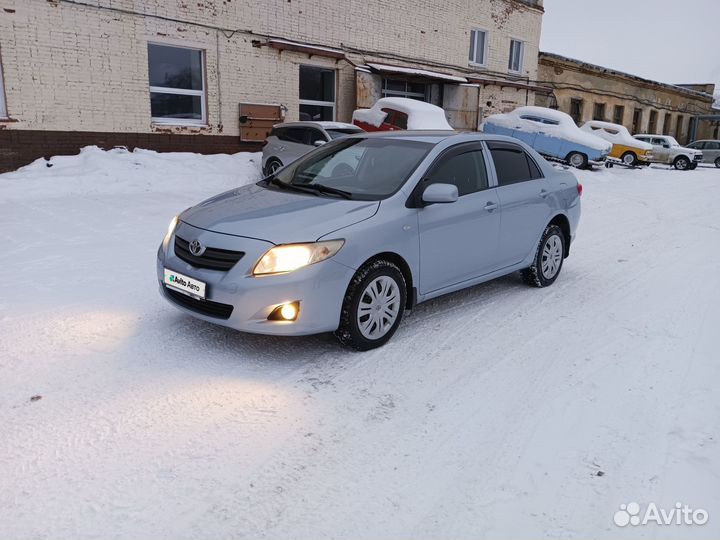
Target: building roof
{"points": [[416, 71], [615, 73]]}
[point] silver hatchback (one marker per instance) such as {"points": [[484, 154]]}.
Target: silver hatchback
{"points": [[291, 140], [710, 150], [348, 237]]}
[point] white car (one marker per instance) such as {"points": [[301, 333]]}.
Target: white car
{"points": [[392, 113], [667, 150], [625, 147], [552, 133]]}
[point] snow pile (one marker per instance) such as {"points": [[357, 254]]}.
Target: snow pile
{"points": [[614, 133], [563, 126], [421, 115], [94, 170]]}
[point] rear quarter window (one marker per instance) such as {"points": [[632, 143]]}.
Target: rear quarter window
{"points": [[513, 164]]}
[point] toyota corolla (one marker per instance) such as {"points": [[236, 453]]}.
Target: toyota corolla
{"points": [[347, 238]]}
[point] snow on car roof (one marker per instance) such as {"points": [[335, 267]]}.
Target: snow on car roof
{"points": [[565, 128], [421, 115], [336, 125], [621, 135]]}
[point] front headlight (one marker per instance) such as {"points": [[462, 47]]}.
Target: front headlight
{"points": [[289, 257], [173, 224]]}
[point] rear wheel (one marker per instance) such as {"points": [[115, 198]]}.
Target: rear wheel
{"points": [[681, 163], [548, 258], [373, 306], [576, 159], [717, 163], [272, 166], [629, 159]]}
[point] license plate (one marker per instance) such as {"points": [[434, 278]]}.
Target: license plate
{"points": [[185, 284]]}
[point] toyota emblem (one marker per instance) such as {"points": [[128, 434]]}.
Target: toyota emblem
{"points": [[196, 248]]}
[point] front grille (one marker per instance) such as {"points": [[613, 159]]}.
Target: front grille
{"points": [[212, 258], [204, 307]]}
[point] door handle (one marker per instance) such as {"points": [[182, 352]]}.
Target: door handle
{"points": [[544, 193], [490, 206]]}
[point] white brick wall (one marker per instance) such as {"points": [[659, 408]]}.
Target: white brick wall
{"points": [[74, 67]]}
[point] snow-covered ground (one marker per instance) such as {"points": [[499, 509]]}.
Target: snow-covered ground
{"points": [[499, 411]]}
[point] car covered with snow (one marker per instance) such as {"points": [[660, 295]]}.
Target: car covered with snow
{"points": [[668, 151], [625, 147], [552, 133], [290, 140], [392, 113]]}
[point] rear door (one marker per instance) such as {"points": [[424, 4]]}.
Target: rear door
{"points": [[524, 195], [711, 151], [458, 241]]}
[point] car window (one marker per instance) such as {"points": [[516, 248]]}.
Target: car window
{"points": [[512, 164], [297, 135], [396, 118], [611, 131], [315, 135], [659, 142], [643, 139], [466, 170], [712, 145]]}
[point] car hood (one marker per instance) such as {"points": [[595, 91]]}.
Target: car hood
{"points": [[280, 217]]}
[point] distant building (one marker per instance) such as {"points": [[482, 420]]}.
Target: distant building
{"points": [[589, 92], [211, 75]]}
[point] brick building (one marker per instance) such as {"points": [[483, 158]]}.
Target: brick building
{"points": [[172, 74], [589, 92]]}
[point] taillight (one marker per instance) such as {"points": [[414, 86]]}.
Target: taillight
{"points": [[579, 188]]}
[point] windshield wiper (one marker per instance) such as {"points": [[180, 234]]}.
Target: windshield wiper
{"points": [[326, 189], [284, 185]]}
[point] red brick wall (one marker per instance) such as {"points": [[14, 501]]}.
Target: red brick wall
{"points": [[20, 147]]}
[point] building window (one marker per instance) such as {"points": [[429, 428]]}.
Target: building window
{"points": [[678, 127], [637, 120], [177, 84], [3, 108], [317, 93], [406, 89], [515, 64], [478, 47], [618, 114], [599, 111], [667, 123], [652, 123], [576, 109]]}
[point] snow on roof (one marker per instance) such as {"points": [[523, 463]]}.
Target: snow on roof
{"points": [[419, 72], [565, 128], [336, 125], [306, 46], [421, 115]]}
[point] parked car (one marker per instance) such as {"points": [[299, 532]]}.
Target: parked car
{"points": [[668, 151], [552, 133], [348, 237], [710, 151], [290, 140], [624, 146], [391, 114]]}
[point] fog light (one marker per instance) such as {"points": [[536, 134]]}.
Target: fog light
{"points": [[285, 312]]}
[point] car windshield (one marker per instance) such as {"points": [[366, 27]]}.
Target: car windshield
{"points": [[672, 141], [341, 132], [363, 168]]}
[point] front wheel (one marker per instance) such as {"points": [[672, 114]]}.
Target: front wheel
{"points": [[373, 306], [578, 160], [629, 159], [717, 163], [548, 258], [681, 163], [272, 166], [692, 166]]}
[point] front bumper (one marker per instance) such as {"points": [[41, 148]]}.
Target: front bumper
{"points": [[319, 288]]}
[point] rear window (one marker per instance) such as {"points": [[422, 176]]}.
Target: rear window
{"points": [[512, 164]]}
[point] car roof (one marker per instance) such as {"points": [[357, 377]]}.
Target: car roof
{"points": [[320, 124], [650, 135]]}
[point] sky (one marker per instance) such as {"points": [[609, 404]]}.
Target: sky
{"points": [[670, 41]]}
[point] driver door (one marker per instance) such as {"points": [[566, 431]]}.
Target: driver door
{"points": [[459, 240]]}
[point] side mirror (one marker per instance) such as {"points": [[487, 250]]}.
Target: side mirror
{"points": [[440, 193], [319, 143]]}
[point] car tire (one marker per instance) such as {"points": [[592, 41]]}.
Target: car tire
{"points": [[577, 160], [717, 163], [548, 259], [681, 163], [629, 158], [272, 165], [373, 306], [692, 166]]}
